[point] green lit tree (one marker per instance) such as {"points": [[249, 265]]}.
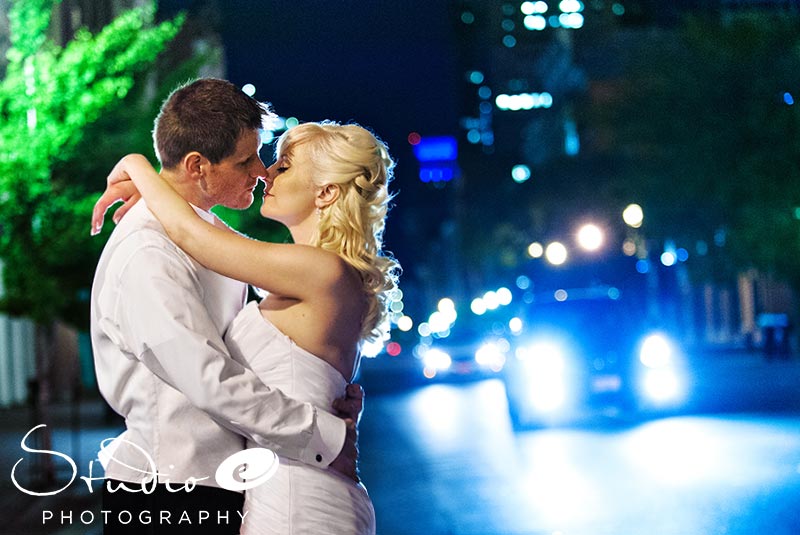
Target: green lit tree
{"points": [[51, 100]]}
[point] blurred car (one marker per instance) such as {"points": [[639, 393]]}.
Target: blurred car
{"points": [[586, 352], [469, 351]]}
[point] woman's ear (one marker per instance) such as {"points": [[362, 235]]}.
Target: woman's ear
{"points": [[327, 195]]}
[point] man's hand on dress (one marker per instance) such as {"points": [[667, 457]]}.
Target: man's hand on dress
{"points": [[350, 408], [352, 404], [347, 461]]}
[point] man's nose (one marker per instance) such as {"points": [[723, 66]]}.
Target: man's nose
{"points": [[261, 170]]}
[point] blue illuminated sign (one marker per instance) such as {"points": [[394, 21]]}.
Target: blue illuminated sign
{"points": [[436, 149], [436, 174]]}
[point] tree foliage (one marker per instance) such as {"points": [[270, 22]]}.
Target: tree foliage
{"points": [[711, 142], [50, 98]]}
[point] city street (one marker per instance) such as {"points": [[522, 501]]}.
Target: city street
{"points": [[449, 463], [443, 459]]}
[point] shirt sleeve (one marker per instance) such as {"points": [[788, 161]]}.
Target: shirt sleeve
{"points": [[164, 323]]}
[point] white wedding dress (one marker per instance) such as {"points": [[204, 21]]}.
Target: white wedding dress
{"points": [[298, 498]]}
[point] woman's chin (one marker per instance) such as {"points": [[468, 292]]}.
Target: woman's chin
{"points": [[264, 212]]}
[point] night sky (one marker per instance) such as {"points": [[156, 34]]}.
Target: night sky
{"points": [[386, 65], [389, 66]]}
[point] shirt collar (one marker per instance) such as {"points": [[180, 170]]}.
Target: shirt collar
{"points": [[208, 217]]}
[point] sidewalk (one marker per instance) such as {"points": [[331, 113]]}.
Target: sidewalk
{"points": [[76, 431], [739, 379]]}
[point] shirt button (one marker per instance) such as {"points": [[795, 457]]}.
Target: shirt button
{"points": [[319, 458]]}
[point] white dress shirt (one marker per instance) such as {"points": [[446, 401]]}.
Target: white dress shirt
{"points": [[157, 322]]}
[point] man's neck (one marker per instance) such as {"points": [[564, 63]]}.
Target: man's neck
{"points": [[186, 189]]}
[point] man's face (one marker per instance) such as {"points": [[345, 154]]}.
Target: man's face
{"points": [[231, 181]]}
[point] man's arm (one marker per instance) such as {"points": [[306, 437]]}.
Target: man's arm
{"points": [[164, 324]]}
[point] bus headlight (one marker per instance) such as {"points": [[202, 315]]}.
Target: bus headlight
{"points": [[656, 351], [543, 366], [660, 381]]}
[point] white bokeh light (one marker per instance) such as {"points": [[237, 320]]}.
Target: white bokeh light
{"points": [[556, 253], [633, 215], [590, 237]]}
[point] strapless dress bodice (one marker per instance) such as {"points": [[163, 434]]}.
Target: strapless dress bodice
{"points": [[275, 358], [298, 498]]}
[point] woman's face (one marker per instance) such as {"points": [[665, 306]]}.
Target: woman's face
{"points": [[291, 198]]}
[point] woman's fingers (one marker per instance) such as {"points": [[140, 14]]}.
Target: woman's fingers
{"points": [[127, 205], [120, 191], [102, 205]]}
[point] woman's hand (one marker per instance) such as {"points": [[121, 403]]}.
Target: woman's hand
{"points": [[119, 187], [121, 191]]}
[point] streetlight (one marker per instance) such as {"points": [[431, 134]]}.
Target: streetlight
{"points": [[633, 215], [535, 250], [556, 253], [590, 237]]}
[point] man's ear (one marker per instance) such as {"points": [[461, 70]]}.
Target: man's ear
{"points": [[194, 165], [327, 195]]}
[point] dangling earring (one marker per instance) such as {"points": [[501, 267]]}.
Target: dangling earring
{"points": [[319, 212]]}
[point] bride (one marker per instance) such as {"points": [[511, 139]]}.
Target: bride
{"points": [[327, 294]]}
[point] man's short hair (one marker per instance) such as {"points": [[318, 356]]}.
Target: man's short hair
{"points": [[208, 116]]}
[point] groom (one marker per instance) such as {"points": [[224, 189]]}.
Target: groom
{"points": [[157, 322]]}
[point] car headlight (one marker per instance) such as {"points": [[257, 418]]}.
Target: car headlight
{"points": [[656, 351], [491, 355], [436, 359]]}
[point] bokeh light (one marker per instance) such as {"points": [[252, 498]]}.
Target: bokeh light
{"points": [[556, 253], [590, 237], [504, 296], [520, 173], [476, 77], [393, 349], [633, 215], [477, 306], [535, 250], [629, 247], [535, 22], [405, 323], [491, 300]]}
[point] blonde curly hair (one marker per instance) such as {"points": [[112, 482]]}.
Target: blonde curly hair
{"points": [[352, 227]]}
